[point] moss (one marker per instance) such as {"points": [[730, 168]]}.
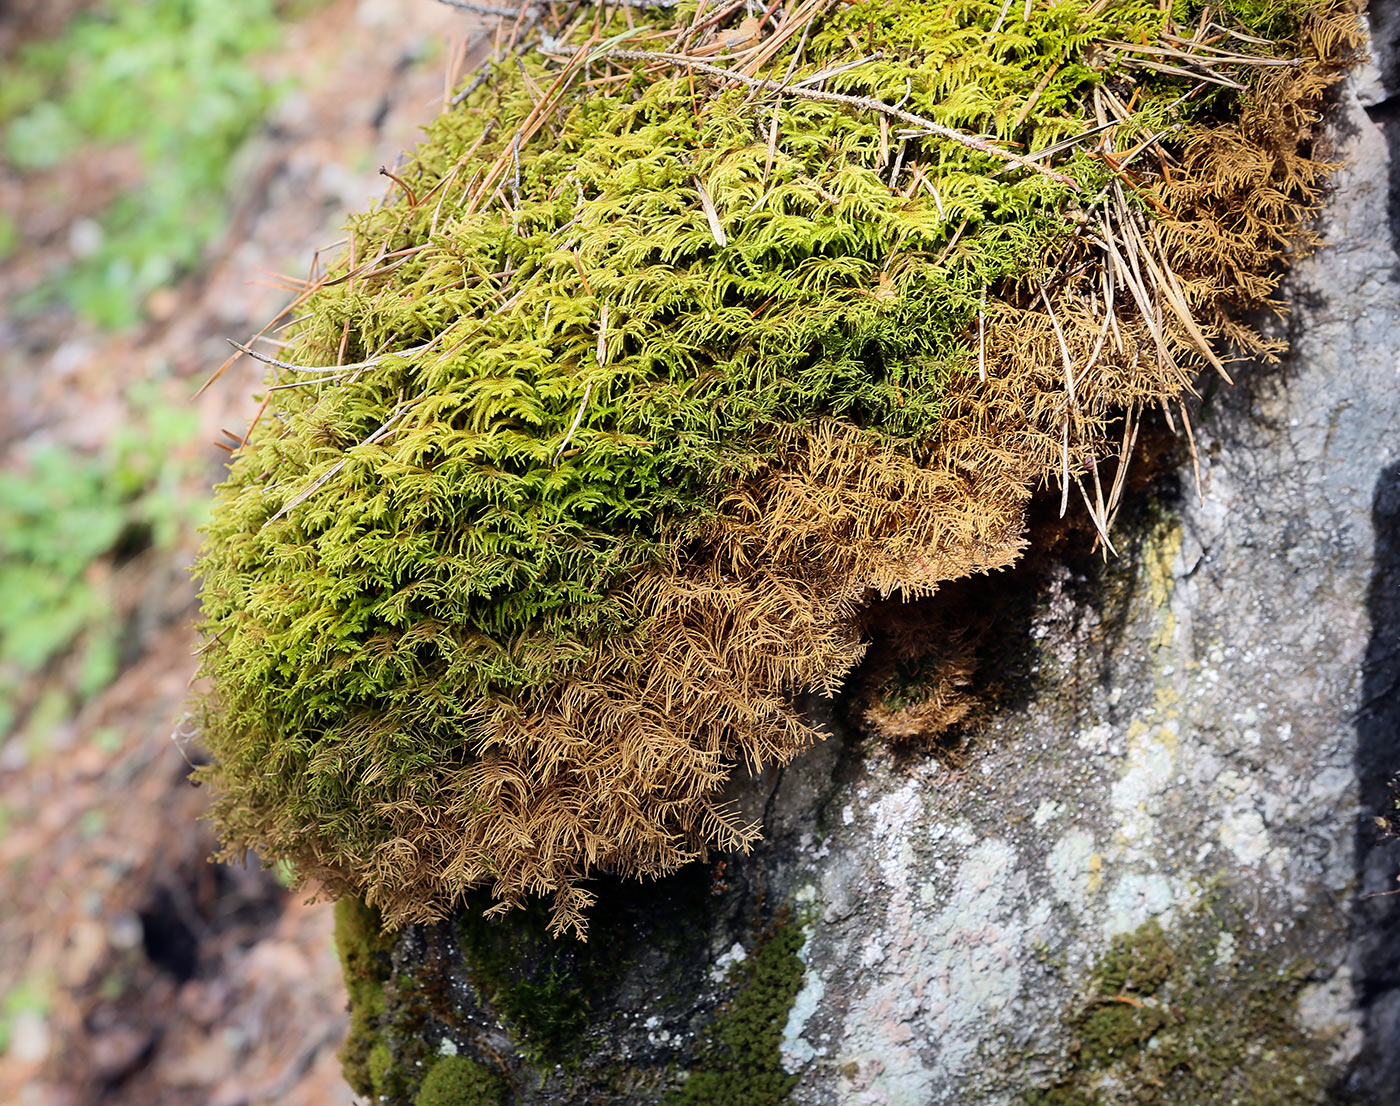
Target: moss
{"points": [[380, 1065], [739, 1062], [364, 959], [1167, 1024], [407, 1041], [457, 1081], [644, 377], [1061, 1095], [1116, 1029], [1139, 962], [544, 992]]}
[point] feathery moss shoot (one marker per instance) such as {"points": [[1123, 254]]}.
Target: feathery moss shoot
{"points": [[682, 333]]}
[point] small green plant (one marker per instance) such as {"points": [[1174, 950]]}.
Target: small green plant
{"points": [[169, 79], [457, 1081], [63, 516], [32, 995]]}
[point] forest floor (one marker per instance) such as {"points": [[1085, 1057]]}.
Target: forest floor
{"points": [[131, 969]]}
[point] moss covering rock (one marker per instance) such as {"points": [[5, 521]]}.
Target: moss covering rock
{"points": [[457, 1081], [739, 1062], [678, 338], [1172, 1020], [364, 961]]}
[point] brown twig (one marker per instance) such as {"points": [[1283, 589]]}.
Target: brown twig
{"points": [[478, 8], [408, 191]]}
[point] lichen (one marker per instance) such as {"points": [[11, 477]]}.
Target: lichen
{"points": [[645, 376], [739, 1062]]}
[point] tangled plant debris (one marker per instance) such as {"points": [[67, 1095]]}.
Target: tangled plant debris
{"points": [[685, 332]]}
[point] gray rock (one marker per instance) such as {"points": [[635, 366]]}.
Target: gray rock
{"points": [[1202, 737]]}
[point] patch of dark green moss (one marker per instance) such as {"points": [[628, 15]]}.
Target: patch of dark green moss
{"points": [[547, 991], [1116, 1029], [542, 988], [739, 1062], [410, 1039], [1060, 1095], [458, 1081], [1119, 1020], [1139, 962], [387, 1047], [364, 959], [464, 985], [1177, 1019]]}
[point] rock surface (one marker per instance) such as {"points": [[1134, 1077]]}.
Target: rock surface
{"points": [[1200, 737]]}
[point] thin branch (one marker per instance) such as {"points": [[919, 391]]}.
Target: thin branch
{"points": [[1195, 456], [329, 370], [478, 8], [711, 215], [578, 417], [1064, 351], [1001, 17], [408, 191], [1100, 524], [1131, 425], [982, 336], [1221, 57], [1064, 144], [1064, 466], [825, 74], [1242, 37], [1195, 73]]}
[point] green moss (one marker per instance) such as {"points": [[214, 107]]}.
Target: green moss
{"points": [[574, 340], [1139, 962], [1116, 1029], [739, 1062], [543, 990], [457, 1081], [386, 1050], [1060, 1095], [380, 1065], [1168, 1024], [364, 959]]}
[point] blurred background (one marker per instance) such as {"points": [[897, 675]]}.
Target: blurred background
{"points": [[165, 165]]}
